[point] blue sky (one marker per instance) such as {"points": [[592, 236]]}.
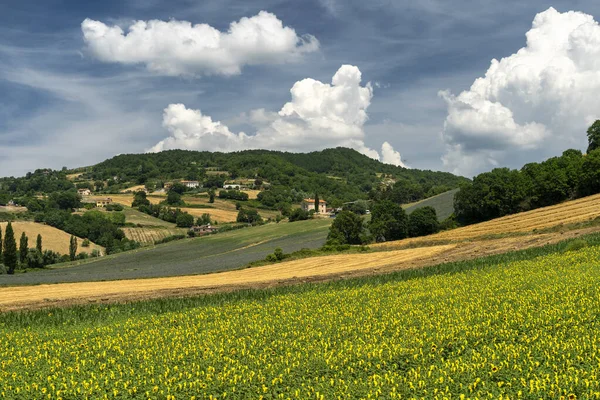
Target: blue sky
{"points": [[62, 105]]}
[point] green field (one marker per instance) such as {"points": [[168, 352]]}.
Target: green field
{"points": [[443, 204], [221, 252], [520, 325]]}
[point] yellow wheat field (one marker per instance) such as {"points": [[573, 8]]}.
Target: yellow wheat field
{"points": [[305, 268], [52, 238]]}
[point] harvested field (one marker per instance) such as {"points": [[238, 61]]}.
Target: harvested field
{"points": [[133, 189], [14, 297], [151, 235], [12, 209], [318, 269], [52, 238], [252, 194], [215, 215]]}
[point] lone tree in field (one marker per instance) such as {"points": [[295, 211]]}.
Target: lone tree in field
{"points": [[211, 196], [317, 201], [593, 134], [73, 248], [38, 244], [23, 247], [10, 249], [0, 244], [347, 228]]}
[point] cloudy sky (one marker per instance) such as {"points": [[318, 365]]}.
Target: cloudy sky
{"points": [[460, 85]]}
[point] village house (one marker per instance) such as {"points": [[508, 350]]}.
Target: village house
{"points": [[190, 184], [232, 186], [309, 204], [84, 192], [103, 202], [203, 229]]}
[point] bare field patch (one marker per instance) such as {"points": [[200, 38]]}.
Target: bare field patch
{"points": [[52, 238], [151, 235]]}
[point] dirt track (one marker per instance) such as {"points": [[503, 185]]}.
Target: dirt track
{"points": [[287, 273]]}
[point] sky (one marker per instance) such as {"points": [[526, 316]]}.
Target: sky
{"points": [[458, 85]]}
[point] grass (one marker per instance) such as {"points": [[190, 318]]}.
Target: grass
{"points": [[214, 253], [520, 325], [52, 238], [443, 204]]}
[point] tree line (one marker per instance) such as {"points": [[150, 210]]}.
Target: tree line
{"points": [[23, 256], [503, 191]]}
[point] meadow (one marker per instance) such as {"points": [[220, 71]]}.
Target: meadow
{"points": [[519, 325], [214, 253]]}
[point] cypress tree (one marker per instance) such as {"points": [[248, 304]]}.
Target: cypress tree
{"points": [[23, 247], [10, 249], [317, 201], [39, 243], [0, 245], [73, 248]]}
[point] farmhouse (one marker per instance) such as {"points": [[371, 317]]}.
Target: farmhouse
{"points": [[84, 192], [190, 184], [309, 204], [203, 229], [103, 202]]}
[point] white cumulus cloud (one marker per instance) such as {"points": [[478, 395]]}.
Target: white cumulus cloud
{"points": [[540, 99], [319, 115], [179, 48]]}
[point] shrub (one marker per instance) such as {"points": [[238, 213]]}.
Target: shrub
{"points": [[169, 239], [3, 269], [85, 243], [575, 245], [299, 214]]}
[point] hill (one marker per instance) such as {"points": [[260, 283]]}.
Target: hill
{"points": [[337, 174], [442, 203], [52, 238]]}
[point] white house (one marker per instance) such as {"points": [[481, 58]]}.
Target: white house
{"points": [[309, 204], [191, 184], [231, 186], [84, 192]]}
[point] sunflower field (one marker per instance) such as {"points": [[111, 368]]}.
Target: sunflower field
{"points": [[526, 329]]}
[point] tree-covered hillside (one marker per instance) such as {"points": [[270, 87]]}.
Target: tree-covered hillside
{"points": [[340, 173]]}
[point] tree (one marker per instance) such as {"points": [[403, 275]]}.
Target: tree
{"points": [[73, 248], [593, 134], [178, 188], [34, 259], [38, 244], [174, 199], [248, 216], [204, 219], [0, 244], [589, 182], [347, 228], [23, 247], [10, 249], [423, 221], [211, 196], [299, 214], [317, 202], [184, 220], [388, 221], [140, 199]]}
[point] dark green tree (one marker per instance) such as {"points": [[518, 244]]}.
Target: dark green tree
{"points": [[248, 216], [184, 220], [73, 248], [388, 222], [34, 259], [204, 219], [178, 188], [23, 247], [347, 228], [211, 196], [593, 134], [10, 249], [1, 245], [299, 214], [589, 181], [140, 199], [423, 221], [174, 199], [317, 201]]}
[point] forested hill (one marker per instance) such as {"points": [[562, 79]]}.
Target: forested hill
{"points": [[343, 173]]}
